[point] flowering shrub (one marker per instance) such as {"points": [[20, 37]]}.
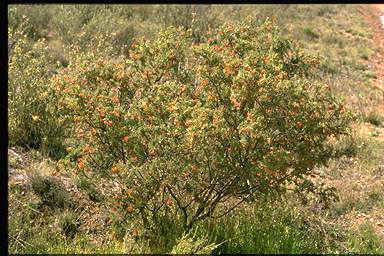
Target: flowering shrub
{"points": [[186, 127]]}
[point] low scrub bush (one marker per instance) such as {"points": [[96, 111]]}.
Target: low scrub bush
{"points": [[68, 224], [90, 188], [374, 118], [33, 120], [186, 127], [51, 191]]}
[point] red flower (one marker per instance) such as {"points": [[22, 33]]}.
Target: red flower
{"points": [[169, 202], [80, 165], [299, 124], [115, 169]]}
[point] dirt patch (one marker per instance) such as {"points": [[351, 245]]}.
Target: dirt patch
{"points": [[371, 14], [368, 129]]}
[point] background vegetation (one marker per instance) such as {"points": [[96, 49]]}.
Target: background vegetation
{"points": [[75, 214]]}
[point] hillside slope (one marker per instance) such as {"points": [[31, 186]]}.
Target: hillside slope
{"points": [[52, 210]]}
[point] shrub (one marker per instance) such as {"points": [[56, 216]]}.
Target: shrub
{"points": [[310, 33], [90, 188], [32, 117], [374, 118], [186, 127], [51, 191], [67, 224]]}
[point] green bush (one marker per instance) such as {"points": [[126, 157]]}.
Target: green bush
{"points": [[67, 224], [310, 33], [374, 118], [33, 120], [90, 188], [188, 126], [51, 191]]}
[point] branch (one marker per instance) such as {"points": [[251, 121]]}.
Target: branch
{"points": [[183, 208]]}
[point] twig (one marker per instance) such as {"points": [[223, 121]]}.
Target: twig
{"points": [[24, 242]]}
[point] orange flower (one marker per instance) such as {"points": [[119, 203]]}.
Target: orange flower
{"points": [[130, 208], [125, 138], [80, 165], [115, 169], [171, 108], [56, 173], [204, 82], [216, 120], [227, 70], [129, 191], [169, 202], [299, 124]]}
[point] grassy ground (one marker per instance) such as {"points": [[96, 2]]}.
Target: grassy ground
{"points": [[53, 211]]}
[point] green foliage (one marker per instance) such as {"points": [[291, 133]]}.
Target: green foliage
{"points": [[67, 224], [51, 191], [374, 118], [270, 227], [348, 146], [33, 120], [93, 193], [190, 243], [186, 126], [39, 17], [189, 122], [310, 33], [365, 240]]}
